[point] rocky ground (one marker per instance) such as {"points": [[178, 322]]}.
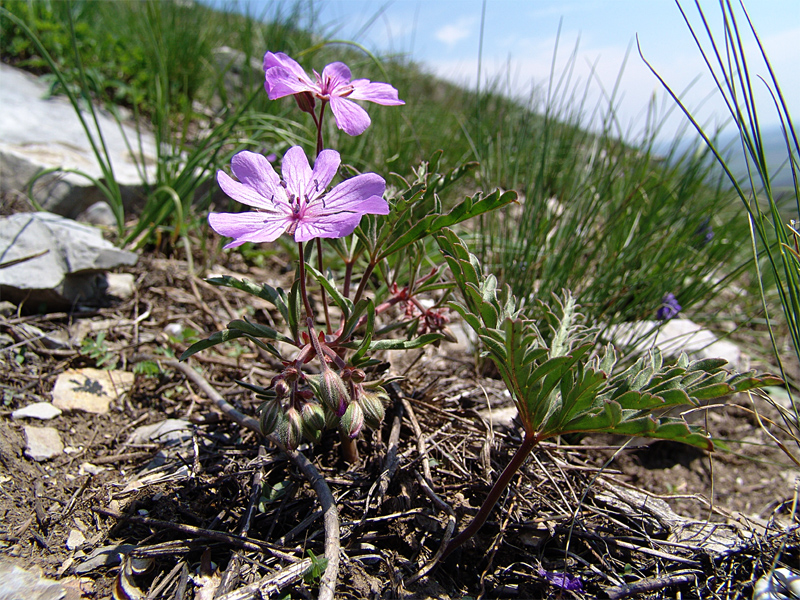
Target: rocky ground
{"points": [[205, 508]]}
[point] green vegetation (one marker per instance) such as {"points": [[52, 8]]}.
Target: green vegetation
{"points": [[601, 215]]}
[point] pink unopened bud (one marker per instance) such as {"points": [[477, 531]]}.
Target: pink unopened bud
{"points": [[281, 388], [333, 392], [271, 415], [352, 421], [372, 405], [313, 417], [290, 429]]}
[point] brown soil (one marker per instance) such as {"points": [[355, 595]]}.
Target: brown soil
{"points": [[580, 506]]}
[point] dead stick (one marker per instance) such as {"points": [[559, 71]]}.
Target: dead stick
{"points": [[220, 536], [271, 584], [448, 532], [649, 585], [327, 585]]}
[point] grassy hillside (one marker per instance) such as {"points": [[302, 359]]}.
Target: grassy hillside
{"points": [[605, 217]]}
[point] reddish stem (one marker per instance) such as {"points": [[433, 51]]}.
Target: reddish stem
{"points": [[320, 268], [303, 292], [494, 495]]}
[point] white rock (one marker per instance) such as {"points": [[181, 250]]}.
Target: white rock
{"points": [[69, 265], [37, 134], [676, 336], [90, 390], [16, 582], [38, 410], [88, 468], [42, 443], [75, 539], [120, 285], [164, 432]]}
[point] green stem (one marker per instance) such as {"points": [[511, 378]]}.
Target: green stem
{"points": [[494, 495]]}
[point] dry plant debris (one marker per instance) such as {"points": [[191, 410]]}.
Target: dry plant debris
{"points": [[220, 513]]}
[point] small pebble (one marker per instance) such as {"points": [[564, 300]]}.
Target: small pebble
{"points": [[38, 410]]}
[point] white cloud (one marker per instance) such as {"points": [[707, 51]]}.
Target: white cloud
{"points": [[455, 32]]}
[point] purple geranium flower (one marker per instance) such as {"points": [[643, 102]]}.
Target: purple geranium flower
{"points": [[565, 581], [297, 205], [669, 308], [285, 77]]}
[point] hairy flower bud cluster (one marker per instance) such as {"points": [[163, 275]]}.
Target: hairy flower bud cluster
{"points": [[305, 405]]}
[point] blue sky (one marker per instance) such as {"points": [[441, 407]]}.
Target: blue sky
{"points": [[520, 37]]}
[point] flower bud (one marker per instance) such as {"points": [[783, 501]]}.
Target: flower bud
{"points": [[281, 388], [290, 429], [271, 415], [358, 375], [372, 405], [351, 422], [313, 417], [333, 392], [305, 101]]}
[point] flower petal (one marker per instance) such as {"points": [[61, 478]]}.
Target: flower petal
{"points": [[379, 93], [350, 117], [296, 172], [242, 193], [283, 76], [325, 168], [360, 194], [328, 226], [255, 172], [335, 76], [249, 226]]}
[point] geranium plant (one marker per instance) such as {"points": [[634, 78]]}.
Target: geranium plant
{"points": [[326, 356], [559, 383]]}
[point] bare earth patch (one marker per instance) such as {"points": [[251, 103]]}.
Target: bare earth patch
{"points": [[217, 510]]}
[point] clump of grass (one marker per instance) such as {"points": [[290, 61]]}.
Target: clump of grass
{"points": [[774, 237], [609, 219]]}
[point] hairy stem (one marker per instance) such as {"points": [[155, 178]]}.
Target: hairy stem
{"points": [[363, 283], [494, 495], [320, 268], [349, 449], [303, 291], [320, 143]]}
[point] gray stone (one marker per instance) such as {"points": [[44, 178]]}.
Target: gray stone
{"points": [[99, 214], [90, 390], [76, 539], [164, 432], [43, 411], [16, 582], [232, 66], [69, 261], [38, 134], [42, 443], [673, 337]]}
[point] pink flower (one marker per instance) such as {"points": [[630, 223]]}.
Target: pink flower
{"points": [[285, 77], [296, 205]]}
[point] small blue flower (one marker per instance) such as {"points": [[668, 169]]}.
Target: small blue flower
{"points": [[565, 581], [705, 232], [669, 308]]}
